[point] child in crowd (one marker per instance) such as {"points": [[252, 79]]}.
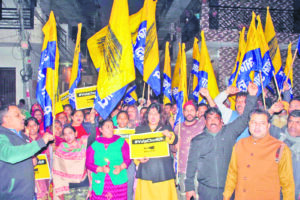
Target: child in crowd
{"points": [[69, 172], [108, 159]]}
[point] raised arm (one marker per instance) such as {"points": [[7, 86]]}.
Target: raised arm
{"points": [[286, 92], [205, 93], [13, 154], [219, 100], [241, 123]]}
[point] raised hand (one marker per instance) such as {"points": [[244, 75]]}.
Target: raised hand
{"points": [[286, 86], [47, 137], [167, 134], [252, 89], [204, 92], [232, 90], [276, 107]]}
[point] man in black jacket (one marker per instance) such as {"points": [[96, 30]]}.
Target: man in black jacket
{"points": [[210, 151]]}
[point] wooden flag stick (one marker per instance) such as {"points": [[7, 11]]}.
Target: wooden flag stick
{"points": [[148, 93], [262, 91], [277, 88], [53, 102], [188, 91], [290, 67], [178, 149], [143, 91]]}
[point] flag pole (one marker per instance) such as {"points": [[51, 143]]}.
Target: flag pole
{"points": [[262, 90], [53, 103], [277, 88], [148, 93], [188, 91], [290, 67], [143, 91], [177, 172]]}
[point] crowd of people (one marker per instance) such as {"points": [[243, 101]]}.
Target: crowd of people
{"points": [[216, 153]]}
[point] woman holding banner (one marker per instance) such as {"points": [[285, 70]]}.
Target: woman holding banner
{"points": [[156, 177]]}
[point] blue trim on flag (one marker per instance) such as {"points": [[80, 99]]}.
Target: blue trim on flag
{"points": [[202, 83], [154, 81], [139, 47], [128, 99], [179, 102], [167, 91], [105, 106], [266, 73], [251, 62], [175, 93], [75, 84], [280, 77], [47, 61], [195, 68], [232, 77]]}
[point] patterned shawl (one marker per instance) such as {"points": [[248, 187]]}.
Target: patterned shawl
{"points": [[69, 165]]}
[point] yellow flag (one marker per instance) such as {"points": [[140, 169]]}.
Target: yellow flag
{"points": [[271, 39], [207, 77], [47, 86], [95, 46], [183, 83], [167, 76], [151, 52], [74, 72], [95, 43], [288, 70], [241, 51], [181, 98], [176, 74], [76, 69], [250, 59], [118, 69], [195, 69], [52, 74]]}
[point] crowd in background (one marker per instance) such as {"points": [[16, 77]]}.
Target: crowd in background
{"points": [[211, 153]]}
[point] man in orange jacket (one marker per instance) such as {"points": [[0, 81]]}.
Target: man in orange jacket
{"points": [[260, 165]]}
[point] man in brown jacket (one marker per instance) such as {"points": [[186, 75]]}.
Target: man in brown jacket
{"points": [[260, 165]]}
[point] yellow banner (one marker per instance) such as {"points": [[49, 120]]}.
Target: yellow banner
{"points": [[84, 97], [42, 170], [64, 98], [124, 133], [148, 145]]}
